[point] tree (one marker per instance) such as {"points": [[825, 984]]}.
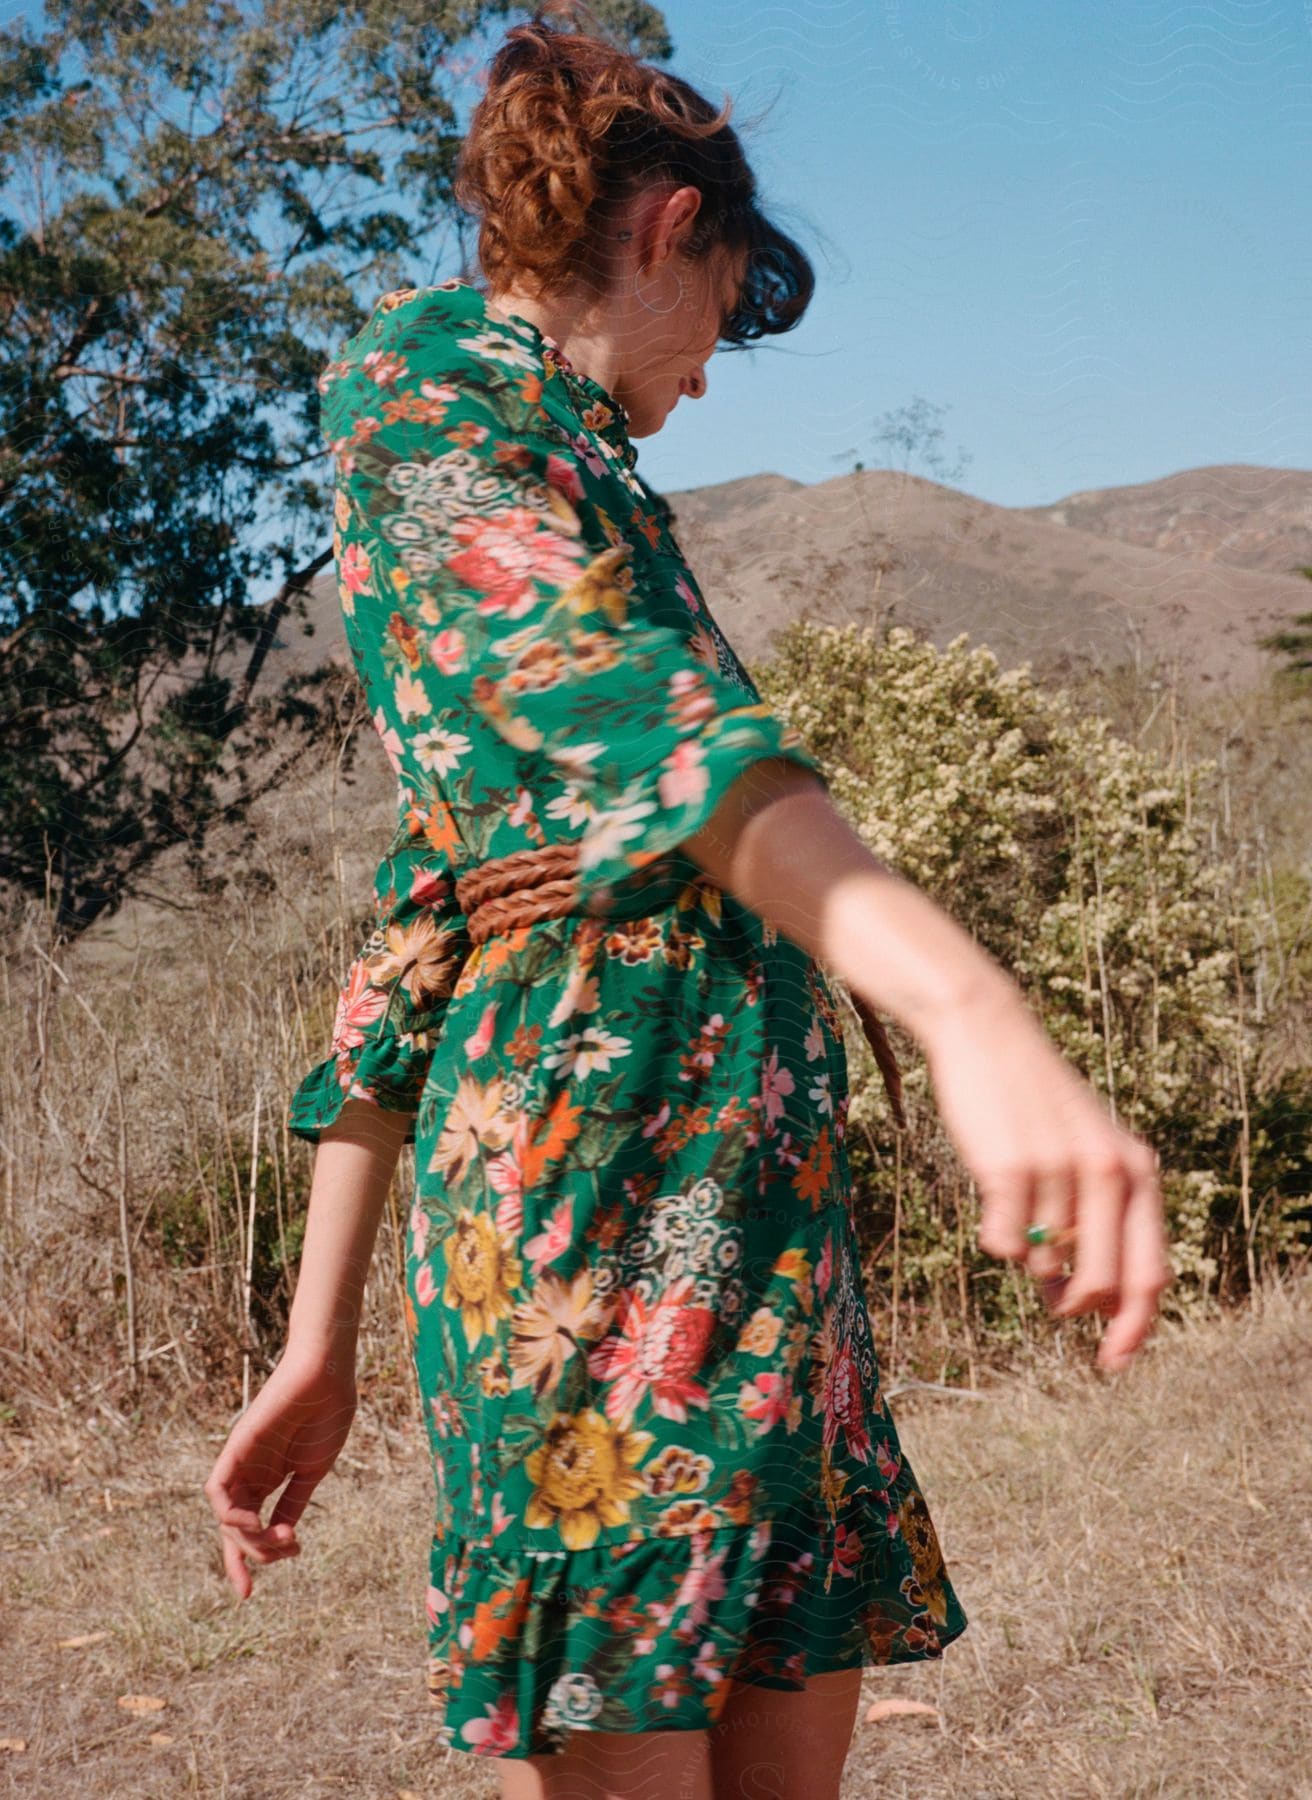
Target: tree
{"points": [[200, 201]]}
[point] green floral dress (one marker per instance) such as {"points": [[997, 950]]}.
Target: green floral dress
{"points": [[662, 1459]]}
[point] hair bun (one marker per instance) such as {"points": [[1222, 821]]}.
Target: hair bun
{"points": [[569, 128]]}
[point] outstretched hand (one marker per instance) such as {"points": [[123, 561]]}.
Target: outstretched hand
{"points": [[295, 1427], [1044, 1150]]}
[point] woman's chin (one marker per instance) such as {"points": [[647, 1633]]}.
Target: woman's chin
{"points": [[647, 424]]}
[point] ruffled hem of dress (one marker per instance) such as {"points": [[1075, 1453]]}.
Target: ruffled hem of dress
{"points": [[384, 1074], [526, 1648]]}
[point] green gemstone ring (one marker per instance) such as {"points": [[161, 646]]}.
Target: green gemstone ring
{"points": [[1045, 1234]]}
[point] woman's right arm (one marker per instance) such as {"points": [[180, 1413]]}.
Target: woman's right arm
{"points": [[1037, 1138]]}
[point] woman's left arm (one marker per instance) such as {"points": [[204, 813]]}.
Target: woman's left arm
{"points": [[294, 1429]]}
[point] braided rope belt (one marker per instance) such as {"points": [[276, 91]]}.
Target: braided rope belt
{"points": [[519, 889], [509, 892]]}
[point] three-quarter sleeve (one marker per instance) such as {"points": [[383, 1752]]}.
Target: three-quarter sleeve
{"points": [[498, 624], [391, 1005]]}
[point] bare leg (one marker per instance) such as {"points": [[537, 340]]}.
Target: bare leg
{"points": [[615, 1765], [772, 1745]]}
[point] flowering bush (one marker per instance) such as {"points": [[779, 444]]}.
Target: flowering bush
{"points": [[1090, 870]]}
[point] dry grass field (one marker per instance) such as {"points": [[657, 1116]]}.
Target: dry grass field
{"points": [[1135, 1554]]}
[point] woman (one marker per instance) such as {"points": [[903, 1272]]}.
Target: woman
{"points": [[674, 1520]]}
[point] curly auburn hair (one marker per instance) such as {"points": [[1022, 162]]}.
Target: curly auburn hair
{"points": [[568, 130]]}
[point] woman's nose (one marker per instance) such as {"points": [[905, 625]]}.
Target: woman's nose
{"points": [[694, 384]]}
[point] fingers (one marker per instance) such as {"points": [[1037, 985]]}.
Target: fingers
{"points": [[1006, 1208], [239, 1550], [292, 1502], [1103, 1190], [1147, 1273], [236, 1553], [1112, 1199], [234, 1567], [236, 1507], [1054, 1207], [1010, 1203], [234, 1493]]}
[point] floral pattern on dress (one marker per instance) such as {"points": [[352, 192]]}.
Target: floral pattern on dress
{"points": [[661, 1455]]}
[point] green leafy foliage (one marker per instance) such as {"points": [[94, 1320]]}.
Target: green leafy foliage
{"points": [[197, 204], [1093, 872]]}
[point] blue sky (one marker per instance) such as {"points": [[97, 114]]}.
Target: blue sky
{"points": [[1084, 229]]}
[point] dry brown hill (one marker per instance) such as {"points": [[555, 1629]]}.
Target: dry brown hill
{"points": [[1034, 589], [1250, 517]]}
